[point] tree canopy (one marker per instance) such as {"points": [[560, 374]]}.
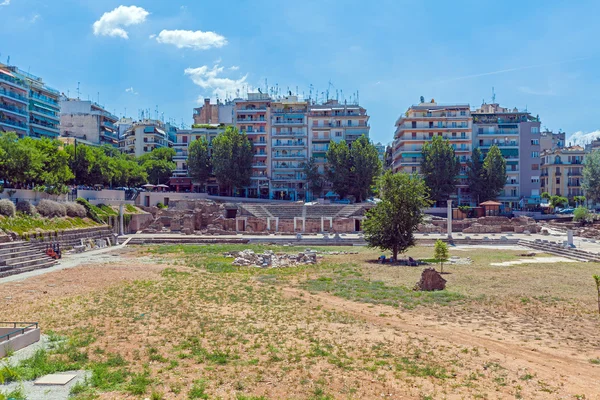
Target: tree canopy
{"points": [[476, 176], [391, 223], [439, 168], [591, 176], [314, 179], [158, 164], [199, 163], [353, 170], [232, 158]]}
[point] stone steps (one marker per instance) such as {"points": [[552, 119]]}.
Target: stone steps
{"points": [[559, 250], [19, 257]]}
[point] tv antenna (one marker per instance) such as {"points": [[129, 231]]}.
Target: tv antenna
{"points": [[493, 96]]}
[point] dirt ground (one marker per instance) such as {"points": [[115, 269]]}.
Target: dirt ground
{"points": [[195, 327]]}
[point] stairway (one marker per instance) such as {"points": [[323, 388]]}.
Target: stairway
{"points": [[19, 257], [560, 250]]}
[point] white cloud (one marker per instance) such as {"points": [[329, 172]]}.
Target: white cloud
{"points": [[5, 3], [582, 138], [130, 90], [191, 39], [111, 23], [234, 68], [34, 18], [211, 79]]}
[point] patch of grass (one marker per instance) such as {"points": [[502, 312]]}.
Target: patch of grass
{"points": [[16, 394], [198, 390], [343, 284], [131, 209], [421, 369], [139, 383], [595, 361], [23, 224], [42, 363]]}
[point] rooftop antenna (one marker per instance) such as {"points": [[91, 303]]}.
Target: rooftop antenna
{"points": [[357, 97], [266, 87], [98, 98], [310, 89], [125, 115], [78, 92], [8, 61], [296, 90], [493, 96], [156, 112]]}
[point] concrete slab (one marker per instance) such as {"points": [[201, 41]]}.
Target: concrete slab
{"points": [[55, 379]]}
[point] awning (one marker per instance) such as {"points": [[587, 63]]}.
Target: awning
{"points": [[149, 129], [6, 73], [42, 132], [43, 107]]}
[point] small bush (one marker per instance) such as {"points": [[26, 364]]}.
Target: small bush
{"points": [[580, 214], [26, 207], [7, 208], [160, 205], [75, 210], [51, 209], [89, 210]]}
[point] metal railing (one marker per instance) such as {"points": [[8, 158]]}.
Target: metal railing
{"points": [[17, 110], [17, 331], [13, 95]]}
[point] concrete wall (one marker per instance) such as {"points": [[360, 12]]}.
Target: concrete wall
{"points": [[19, 341], [30, 196], [106, 196], [150, 199], [86, 127]]}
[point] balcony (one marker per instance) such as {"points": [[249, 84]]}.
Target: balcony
{"points": [[575, 173], [45, 126], [260, 143], [434, 127], [251, 120], [45, 112], [14, 95], [259, 165], [511, 144], [292, 133], [251, 110], [289, 110], [13, 109], [286, 166], [16, 82], [293, 155], [107, 124], [501, 132], [289, 122], [573, 184], [45, 99], [289, 144], [14, 123], [260, 154]]}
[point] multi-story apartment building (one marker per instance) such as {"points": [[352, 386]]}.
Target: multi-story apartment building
{"points": [[517, 134], [289, 148], [420, 123], [144, 136], [220, 113], [550, 140], [252, 116], [380, 151], [27, 105], [562, 171], [88, 121]]}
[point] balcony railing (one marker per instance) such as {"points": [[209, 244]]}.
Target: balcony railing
{"points": [[512, 144], [13, 95], [244, 120], [297, 155], [16, 110], [289, 122], [43, 98], [45, 112], [13, 123], [292, 133], [289, 144], [14, 81]]}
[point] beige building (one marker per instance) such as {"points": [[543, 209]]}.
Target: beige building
{"points": [[562, 171], [144, 136], [550, 140], [88, 121], [420, 123], [219, 113]]}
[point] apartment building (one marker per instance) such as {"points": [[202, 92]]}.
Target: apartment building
{"points": [[380, 151], [550, 140], [219, 113], [517, 134], [88, 121], [420, 123], [27, 105], [562, 171], [252, 115], [144, 136]]}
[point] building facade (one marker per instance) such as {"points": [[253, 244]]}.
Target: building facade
{"points": [[562, 171], [550, 140], [28, 106], [219, 113], [420, 123], [517, 134], [144, 136], [89, 122]]}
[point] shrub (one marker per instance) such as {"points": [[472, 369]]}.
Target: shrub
{"points": [[76, 210], [7, 208], [50, 209], [89, 210], [26, 207], [160, 205], [580, 214]]}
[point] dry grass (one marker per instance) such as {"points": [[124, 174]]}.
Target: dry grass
{"points": [[185, 324]]}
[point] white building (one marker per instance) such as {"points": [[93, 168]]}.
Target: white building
{"points": [[144, 136], [88, 121]]}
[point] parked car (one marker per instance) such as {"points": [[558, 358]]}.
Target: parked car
{"points": [[566, 211]]}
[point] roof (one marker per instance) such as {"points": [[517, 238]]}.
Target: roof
{"points": [[490, 203]]}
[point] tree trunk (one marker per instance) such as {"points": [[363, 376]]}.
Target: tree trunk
{"points": [[395, 251]]}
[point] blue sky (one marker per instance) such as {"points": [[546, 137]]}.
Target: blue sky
{"points": [[539, 55]]}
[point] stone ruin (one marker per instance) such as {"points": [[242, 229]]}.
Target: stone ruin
{"points": [[430, 280], [492, 224], [248, 258]]}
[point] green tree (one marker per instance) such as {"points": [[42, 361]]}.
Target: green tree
{"points": [[439, 168], [494, 167], [558, 201], [476, 176], [199, 165], [339, 168], [366, 167], [390, 225], [591, 176], [388, 158], [597, 280], [158, 164], [232, 159], [581, 214], [545, 196], [314, 178], [440, 253]]}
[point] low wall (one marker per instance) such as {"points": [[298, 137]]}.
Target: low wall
{"points": [[17, 342], [30, 195], [151, 199], [105, 196], [139, 222]]}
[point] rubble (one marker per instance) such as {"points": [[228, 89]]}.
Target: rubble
{"points": [[431, 280], [248, 258]]}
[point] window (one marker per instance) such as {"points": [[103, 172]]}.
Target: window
{"points": [[463, 135], [184, 138], [463, 113], [431, 124], [535, 154], [414, 124], [535, 192], [535, 129], [535, 142], [535, 179], [414, 169], [557, 180], [338, 134], [349, 122], [535, 167]]}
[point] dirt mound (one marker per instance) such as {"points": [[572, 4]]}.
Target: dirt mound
{"points": [[431, 280]]}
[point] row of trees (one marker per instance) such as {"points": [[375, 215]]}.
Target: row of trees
{"points": [[440, 167]]}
